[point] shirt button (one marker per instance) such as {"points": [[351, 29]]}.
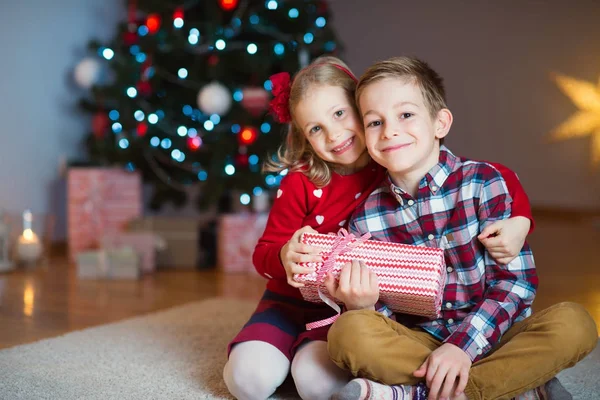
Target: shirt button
{"points": [[411, 202], [450, 321], [448, 305], [449, 269], [434, 188], [479, 351], [430, 237]]}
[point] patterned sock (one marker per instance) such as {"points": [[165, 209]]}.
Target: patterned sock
{"points": [[364, 389], [551, 390]]}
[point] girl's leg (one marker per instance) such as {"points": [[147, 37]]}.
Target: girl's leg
{"points": [[255, 370], [315, 375]]}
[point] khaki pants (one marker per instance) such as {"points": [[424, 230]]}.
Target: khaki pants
{"points": [[530, 353]]}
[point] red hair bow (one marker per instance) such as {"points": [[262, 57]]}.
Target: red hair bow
{"points": [[279, 107]]}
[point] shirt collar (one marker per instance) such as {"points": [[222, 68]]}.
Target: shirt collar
{"points": [[434, 179]]}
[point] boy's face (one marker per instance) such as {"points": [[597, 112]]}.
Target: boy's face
{"points": [[330, 123], [400, 133]]}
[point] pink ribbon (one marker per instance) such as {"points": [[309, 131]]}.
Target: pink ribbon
{"points": [[344, 243]]}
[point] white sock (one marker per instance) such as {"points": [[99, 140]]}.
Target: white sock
{"points": [[315, 375], [255, 370]]}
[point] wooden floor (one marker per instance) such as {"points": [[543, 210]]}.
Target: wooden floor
{"points": [[49, 301]]}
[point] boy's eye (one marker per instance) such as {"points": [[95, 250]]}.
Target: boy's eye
{"points": [[339, 113], [406, 115], [373, 124]]}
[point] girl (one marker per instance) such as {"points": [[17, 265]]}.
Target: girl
{"points": [[330, 174]]}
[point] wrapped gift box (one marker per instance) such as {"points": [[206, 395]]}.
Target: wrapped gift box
{"points": [[122, 263], [411, 278], [237, 236], [145, 244], [100, 201], [179, 239]]}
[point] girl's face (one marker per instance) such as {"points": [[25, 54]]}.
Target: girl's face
{"points": [[329, 121]]}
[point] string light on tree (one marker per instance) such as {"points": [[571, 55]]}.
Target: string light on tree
{"points": [[142, 129], [153, 23], [178, 18], [194, 143], [586, 122], [228, 5], [247, 136]]}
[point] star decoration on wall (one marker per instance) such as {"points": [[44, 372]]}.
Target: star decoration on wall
{"points": [[586, 121]]}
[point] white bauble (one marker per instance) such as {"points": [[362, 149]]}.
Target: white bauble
{"points": [[88, 72], [214, 98]]}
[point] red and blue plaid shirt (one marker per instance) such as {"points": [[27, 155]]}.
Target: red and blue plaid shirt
{"points": [[456, 200]]}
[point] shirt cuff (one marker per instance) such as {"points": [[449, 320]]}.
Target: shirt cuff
{"points": [[471, 341]]}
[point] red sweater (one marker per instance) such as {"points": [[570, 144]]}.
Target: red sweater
{"points": [[299, 203]]}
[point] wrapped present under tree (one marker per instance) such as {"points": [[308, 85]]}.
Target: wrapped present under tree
{"points": [[100, 201]]}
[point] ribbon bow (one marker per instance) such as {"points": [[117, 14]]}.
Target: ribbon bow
{"points": [[279, 107], [344, 242]]}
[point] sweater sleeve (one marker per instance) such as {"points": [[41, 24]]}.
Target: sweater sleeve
{"points": [[287, 215], [520, 205]]}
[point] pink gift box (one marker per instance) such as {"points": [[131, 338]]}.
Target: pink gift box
{"points": [[411, 278], [143, 243], [100, 201], [237, 238]]}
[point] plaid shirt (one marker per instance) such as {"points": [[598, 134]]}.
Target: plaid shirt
{"points": [[456, 200]]}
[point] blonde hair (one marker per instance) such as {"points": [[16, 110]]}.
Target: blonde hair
{"points": [[413, 70], [296, 154]]}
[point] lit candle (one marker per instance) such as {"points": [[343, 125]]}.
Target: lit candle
{"points": [[29, 247]]}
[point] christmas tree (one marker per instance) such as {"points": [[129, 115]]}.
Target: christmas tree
{"points": [[182, 90]]}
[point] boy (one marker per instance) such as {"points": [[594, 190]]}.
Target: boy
{"points": [[486, 345]]}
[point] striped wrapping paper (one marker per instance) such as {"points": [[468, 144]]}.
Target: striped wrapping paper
{"points": [[411, 278]]}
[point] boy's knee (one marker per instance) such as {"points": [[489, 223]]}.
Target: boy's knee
{"points": [[351, 333], [577, 330]]}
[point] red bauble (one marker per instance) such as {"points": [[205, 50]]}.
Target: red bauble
{"points": [[322, 7], [178, 13], [130, 38], [142, 129], [144, 89], [100, 124], [194, 143], [213, 60], [228, 5], [153, 23], [247, 136], [255, 100], [241, 160]]}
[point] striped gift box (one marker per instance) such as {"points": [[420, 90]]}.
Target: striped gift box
{"points": [[411, 278]]}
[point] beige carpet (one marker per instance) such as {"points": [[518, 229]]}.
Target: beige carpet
{"points": [[174, 354]]}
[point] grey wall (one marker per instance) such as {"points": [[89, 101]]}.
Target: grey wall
{"points": [[496, 58], [40, 42]]}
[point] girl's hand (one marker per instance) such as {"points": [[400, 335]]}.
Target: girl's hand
{"points": [[294, 252], [504, 239], [358, 287]]}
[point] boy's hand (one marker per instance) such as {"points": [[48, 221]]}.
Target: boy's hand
{"points": [[358, 287], [441, 369], [504, 239], [295, 252]]}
